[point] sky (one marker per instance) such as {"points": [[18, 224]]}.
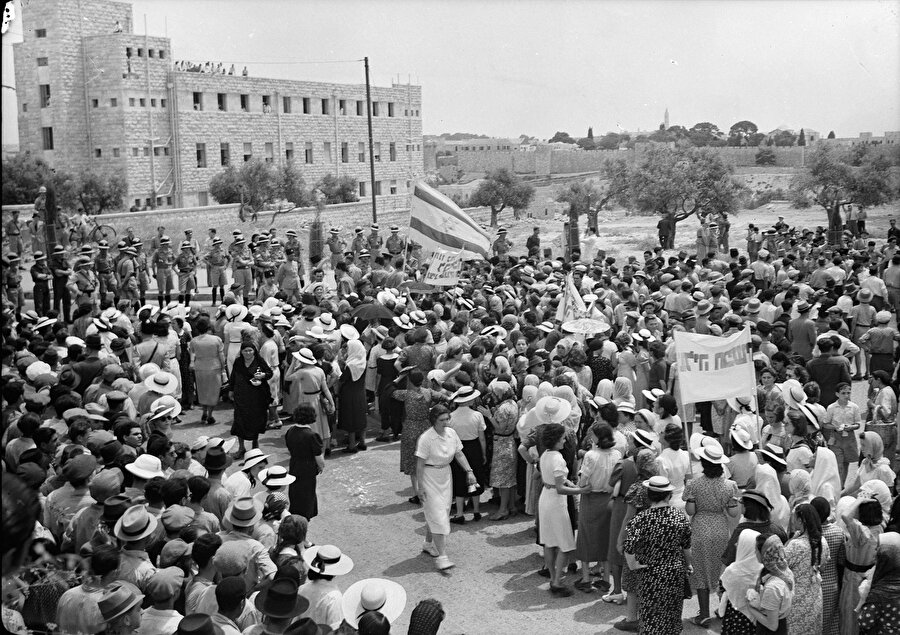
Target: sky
{"points": [[510, 67]]}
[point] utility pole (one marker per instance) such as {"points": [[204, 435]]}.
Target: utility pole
{"points": [[371, 145]]}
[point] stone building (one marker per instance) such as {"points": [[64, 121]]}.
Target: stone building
{"points": [[94, 95]]}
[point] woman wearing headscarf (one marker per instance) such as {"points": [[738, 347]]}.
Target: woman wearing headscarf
{"points": [[826, 478], [769, 602], [834, 538], [806, 552], [352, 406], [738, 578], [874, 465], [622, 391], [880, 613], [505, 415], [767, 484], [249, 389], [530, 396], [801, 488], [862, 529], [605, 389]]}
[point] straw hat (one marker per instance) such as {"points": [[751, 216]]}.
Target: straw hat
{"points": [[349, 332], [373, 594], [658, 484], [276, 476], [736, 403], [146, 466], [742, 438], [465, 395], [327, 560], [774, 452], [253, 457], [552, 410], [654, 394], [167, 401], [236, 312], [644, 438], [793, 393], [305, 356], [712, 454], [317, 332], [162, 382]]}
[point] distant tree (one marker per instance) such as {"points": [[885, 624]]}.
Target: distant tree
{"points": [[739, 133], [832, 181], [225, 186], [337, 190], [831, 135], [586, 143], [612, 188], [857, 154], [611, 141], [784, 138], [705, 134], [100, 192], [801, 140], [765, 156], [561, 136], [501, 189], [683, 182], [292, 186], [24, 173], [590, 134], [579, 195], [254, 185]]}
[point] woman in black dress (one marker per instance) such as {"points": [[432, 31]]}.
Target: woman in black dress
{"points": [[249, 390], [307, 462], [352, 406]]}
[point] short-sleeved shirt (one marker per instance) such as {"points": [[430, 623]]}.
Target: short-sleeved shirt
{"points": [[436, 449], [597, 467], [775, 596], [468, 424], [552, 465]]}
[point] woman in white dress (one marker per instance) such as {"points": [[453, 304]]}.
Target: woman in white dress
{"points": [[268, 351], [553, 515], [675, 462], [233, 331], [436, 448]]}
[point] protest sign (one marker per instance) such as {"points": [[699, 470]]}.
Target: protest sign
{"points": [[444, 268], [711, 367]]}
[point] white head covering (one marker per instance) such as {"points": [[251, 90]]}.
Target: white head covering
{"points": [[826, 478], [741, 574], [767, 484], [356, 358], [604, 389]]}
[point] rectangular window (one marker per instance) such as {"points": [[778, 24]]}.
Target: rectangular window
{"points": [[47, 137], [140, 52], [345, 153], [162, 56], [158, 151], [153, 102], [131, 101], [375, 109], [245, 103], [362, 188], [405, 112], [377, 188], [390, 109], [326, 107], [24, 107], [289, 150], [147, 202], [168, 198], [201, 155], [146, 151], [342, 106], [286, 104], [98, 153], [113, 102], [270, 152], [306, 105], [162, 103], [393, 150], [165, 151], [248, 151], [327, 147], [378, 151], [393, 186], [198, 101], [361, 152], [151, 53], [135, 152], [224, 154], [267, 103], [116, 152], [308, 152], [203, 199], [143, 102], [128, 51], [95, 103], [43, 61], [222, 100], [45, 95], [360, 108], [137, 202], [40, 33]]}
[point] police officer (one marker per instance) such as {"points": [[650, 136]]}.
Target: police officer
{"points": [[163, 259], [127, 273], [12, 283], [335, 246], [41, 275], [104, 268], [359, 241], [289, 276], [186, 267], [59, 267], [216, 261], [276, 251], [240, 266], [83, 282], [501, 245], [395, 243], [262, 259], [374, 240], [143, 270], [13, 232], [363, 263], [293, 243]]}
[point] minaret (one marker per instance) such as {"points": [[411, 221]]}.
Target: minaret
{"points": [[666, 119]]}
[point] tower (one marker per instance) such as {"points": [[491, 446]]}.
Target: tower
{"points": [[666, 119]]}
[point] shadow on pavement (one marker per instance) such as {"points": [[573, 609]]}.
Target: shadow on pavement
{"points": [[384, 510], [521, 537], [422, 563]]}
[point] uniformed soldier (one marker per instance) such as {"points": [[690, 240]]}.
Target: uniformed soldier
{"points": [[363, 263], [13, 232], [395, 243], [240, 266], [59, 267], [104, 268], [352, 269], [359, 241], [41, 275], [276, 251], [262, 259], [216, 261], [186, 267], [335, 246], [12, 283], [293, 243], [163, 259], [289, 276], [193, 242], [501, 245], [83, 281], [143, 270], [374, 240], [127, 272]]}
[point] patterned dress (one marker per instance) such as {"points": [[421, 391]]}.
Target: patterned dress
{"points": [[503, 461], [656, 537], [832, 535], [709, 526], [418, 402], [805, 617]]}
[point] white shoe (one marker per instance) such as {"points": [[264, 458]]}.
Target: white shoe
{"points": [[430, 549], [443, 563]]}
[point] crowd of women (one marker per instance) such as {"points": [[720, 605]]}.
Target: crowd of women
{"points": [[775, 509]]}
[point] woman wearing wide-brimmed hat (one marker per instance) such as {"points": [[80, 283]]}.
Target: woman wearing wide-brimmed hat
{"points": [[469, 426], [309, 386], [323, 564], [373, 595]]}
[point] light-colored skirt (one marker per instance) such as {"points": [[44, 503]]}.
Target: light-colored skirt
{"points": [[438, 485], [553, 520], [209, 386]]}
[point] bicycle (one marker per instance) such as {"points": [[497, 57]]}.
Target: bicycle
{"points": [[93, 231]]}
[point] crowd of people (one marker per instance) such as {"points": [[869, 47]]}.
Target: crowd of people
{"points": [[775, 509]]}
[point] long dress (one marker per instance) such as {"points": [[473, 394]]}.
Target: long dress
{"points": [[438, 451], [503, 460], [553, 512], [834, 537], [860, 543], [805, 617], [657, 537], [307, 384], [233, 332], [624, 475], [208, 351], [709, 527], [251, 402], [304, 446], [352, 406], [269, 354], [418, 401]]}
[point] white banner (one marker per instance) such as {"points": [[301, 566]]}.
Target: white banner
{"points": [[444, 268], [711, 367]]}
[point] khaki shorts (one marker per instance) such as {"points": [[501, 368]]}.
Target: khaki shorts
{"points": [[218, 277]]}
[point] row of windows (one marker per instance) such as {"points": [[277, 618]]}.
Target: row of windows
{"points": [[305, 105], [140, 204], [458, 148], [160, 53], [308, 152]]}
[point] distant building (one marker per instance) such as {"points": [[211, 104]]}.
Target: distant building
{"points": [[94, 95], [666, 119], [866, 139]]}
